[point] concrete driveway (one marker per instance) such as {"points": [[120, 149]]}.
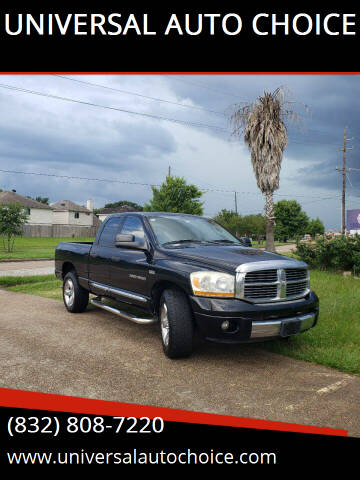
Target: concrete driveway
{"points": [[98, 355]]}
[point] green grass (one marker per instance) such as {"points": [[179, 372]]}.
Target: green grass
{"points": [[13, 281], [334, 342], [44, 285], [35, 247]]}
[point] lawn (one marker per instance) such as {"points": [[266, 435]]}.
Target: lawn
{"points": [[43, 285], [334, 342], [35, 247]]}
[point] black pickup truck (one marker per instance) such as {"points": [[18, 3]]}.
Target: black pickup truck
{"points": [[186, 272]]}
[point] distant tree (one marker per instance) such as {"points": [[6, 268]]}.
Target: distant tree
{"points": [[229, 219], [254, 226], [247, 225], [12, 219], [174, 195], [315, 227], [44, 200], [123, 203], [290, 220]]}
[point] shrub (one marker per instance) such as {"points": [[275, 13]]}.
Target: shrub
{"points": [[340, 253], [12, 220]]}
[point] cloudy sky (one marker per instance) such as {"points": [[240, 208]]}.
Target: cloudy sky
{"points": [[131, 148]]}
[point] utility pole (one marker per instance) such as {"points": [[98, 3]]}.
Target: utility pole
{"points": [[343, 197], [236, 210], [343, 172], [169, 172]]}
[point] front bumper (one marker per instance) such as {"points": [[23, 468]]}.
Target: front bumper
{"points": [[248, 322]]}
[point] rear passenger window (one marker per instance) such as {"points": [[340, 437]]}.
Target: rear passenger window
{"points": [[111, 229], [134, 226]]}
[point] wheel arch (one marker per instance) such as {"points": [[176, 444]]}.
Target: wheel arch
{"points": [[158, 290], [66, 268]]}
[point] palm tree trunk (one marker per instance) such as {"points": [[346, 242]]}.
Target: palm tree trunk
{"points": [[269, 212]]}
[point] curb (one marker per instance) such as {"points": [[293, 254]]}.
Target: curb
{"points": [[13, 260]]}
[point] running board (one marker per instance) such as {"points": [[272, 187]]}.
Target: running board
{"points": [[127, 316]]}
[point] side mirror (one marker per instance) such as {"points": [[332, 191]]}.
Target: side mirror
{"points": [[122, 238], [128, 241]]}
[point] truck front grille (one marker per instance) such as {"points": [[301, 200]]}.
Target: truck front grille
{"points": [[272, 285], [260, 291], [295, 288], [263, 276], [296, 274]]}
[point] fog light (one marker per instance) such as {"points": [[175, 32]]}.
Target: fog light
{"points": [[225, 325]]}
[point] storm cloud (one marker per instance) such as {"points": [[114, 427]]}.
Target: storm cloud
{"points": [[188, 132]]}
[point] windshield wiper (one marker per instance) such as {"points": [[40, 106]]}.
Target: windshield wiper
{"points": [[175, 242], [223, 240]]}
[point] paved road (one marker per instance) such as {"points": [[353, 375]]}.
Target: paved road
{"points": [[98, 355], [26, 268], [285, 248]]}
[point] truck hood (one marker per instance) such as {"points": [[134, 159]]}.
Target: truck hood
{"points": [[224, 257]]}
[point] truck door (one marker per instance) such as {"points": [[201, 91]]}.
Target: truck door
{"points": [[129, 266], [101, 253]]}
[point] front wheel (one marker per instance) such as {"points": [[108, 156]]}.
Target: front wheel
{"points": [[176, 324], [76, 298]]}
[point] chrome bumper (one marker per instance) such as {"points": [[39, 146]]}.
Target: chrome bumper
{"points": [[283, 326]]}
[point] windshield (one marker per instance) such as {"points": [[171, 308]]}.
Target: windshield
{"points": [[178, 230]]}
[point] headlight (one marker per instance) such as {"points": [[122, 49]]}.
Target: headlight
{"points": [[212, 284]]}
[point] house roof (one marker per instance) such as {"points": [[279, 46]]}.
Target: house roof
{"points": [[109, 211], [12, 197], [68, 206]]}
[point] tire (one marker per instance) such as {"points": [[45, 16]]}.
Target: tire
{"points": [[176, 324], [75, 297]]}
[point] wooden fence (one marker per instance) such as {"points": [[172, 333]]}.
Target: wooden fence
{"points": [[71, 231]]}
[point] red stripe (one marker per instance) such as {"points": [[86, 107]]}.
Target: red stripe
{"points": [[60, 403]]}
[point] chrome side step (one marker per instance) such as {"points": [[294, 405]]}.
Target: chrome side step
{"points": [[127, 316]]}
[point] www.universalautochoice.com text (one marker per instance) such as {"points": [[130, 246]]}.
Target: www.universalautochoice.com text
{"points": [[135, 457]]}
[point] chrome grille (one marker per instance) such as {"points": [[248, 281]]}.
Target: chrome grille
{"points": [[260, 291], [295, 274], [263, 276], [295, 288], [258, 284]]}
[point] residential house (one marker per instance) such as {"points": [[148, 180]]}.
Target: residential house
{"points": [[38, 213], [70, 213], [61, 219]]}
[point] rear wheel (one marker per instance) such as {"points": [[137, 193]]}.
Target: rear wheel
{"points": [[76, 298], [176, 324]]}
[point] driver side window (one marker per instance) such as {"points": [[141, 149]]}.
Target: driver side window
{"points": [[111, 229]]}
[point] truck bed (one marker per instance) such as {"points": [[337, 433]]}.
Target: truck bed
{"points": [[75, 252]]}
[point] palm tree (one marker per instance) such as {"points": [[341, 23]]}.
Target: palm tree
{"points": [[262, 126]]}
